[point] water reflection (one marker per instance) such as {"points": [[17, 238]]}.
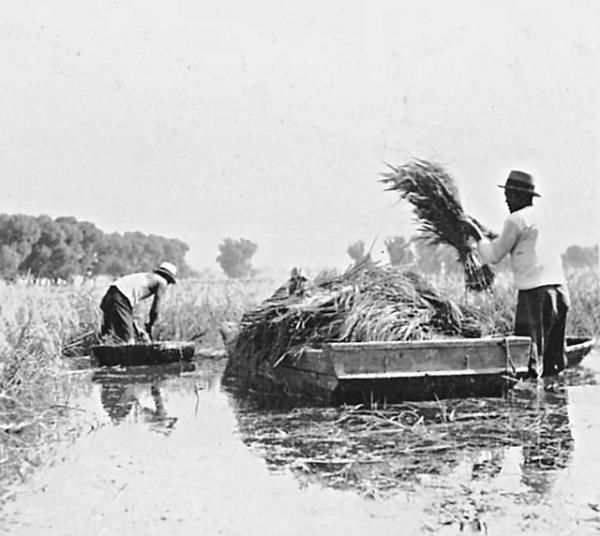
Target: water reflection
{"points": [[390, 449], [123, 393], [495, 465], [117, 400], [461, 457]]}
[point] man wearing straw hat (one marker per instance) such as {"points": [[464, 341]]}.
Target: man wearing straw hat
{"points": [[118, 324], [542, 301]]}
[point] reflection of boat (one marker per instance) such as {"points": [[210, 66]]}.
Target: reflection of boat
{"points": [[141, 374], [388, 449], [143, 354], [395, 371], [122, 389]]}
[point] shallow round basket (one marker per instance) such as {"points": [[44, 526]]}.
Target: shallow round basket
{"points": [[154, 353]]}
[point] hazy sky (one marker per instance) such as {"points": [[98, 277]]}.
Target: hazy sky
{"points": [[271, 120]]}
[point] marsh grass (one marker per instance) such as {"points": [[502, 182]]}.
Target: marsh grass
{"points": [[584, 293], [497, 306], [35, 322], [194, 309]]}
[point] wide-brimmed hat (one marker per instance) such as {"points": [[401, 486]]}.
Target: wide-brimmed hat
{"points": [[520, 181], [168, 271]]}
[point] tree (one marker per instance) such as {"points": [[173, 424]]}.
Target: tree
{"points": [[581, 257], [436, 258], [234, 257], [40, 262], [91, 238], [399, 250], [9, 262], [357, 251]]}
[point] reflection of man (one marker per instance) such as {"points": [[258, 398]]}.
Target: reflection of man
{"points": [[125, 293], [550, 446], [157, 417], [542, 302], [117, 400]]}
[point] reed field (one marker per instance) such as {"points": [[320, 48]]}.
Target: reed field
{"points": [[499, 303], [43, 324]]}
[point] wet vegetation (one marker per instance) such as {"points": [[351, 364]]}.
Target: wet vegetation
{"points": [[384, 450]]}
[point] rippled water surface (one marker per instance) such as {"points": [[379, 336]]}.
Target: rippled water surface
{"points": [[171, 451]]}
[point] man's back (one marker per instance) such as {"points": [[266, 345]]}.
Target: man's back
{"points": [[535, 258], [138, 286]]}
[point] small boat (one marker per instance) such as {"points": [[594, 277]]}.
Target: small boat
{"points": [[364, 372], [138, 354], [577, 349]]}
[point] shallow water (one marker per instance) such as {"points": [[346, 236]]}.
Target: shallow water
{"points": [[173, 451]]}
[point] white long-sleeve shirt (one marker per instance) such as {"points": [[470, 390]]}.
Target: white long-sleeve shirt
{"points": [[533, 254]]}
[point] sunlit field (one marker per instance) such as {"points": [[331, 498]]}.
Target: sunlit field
{"points": [[42, 323]]}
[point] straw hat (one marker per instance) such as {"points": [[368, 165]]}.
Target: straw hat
{"points": [[520, 181], [168, 271]]}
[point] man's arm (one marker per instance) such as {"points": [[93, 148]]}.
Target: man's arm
{"points": [[154, 308], [493, 251]]}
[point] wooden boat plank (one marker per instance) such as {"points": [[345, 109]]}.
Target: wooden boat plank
{"points": [[428, 356], [434, 373], [426, 387], [312, 383], [312, 360], [429, 343]]}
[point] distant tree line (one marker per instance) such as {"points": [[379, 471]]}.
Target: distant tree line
{"points": [[59, 249], [435, 259]]}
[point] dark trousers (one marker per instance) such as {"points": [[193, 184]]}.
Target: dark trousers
{"points": [[542, 315], [117, 321]]}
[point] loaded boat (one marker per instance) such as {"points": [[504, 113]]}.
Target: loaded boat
{"points": [[363, 372]]}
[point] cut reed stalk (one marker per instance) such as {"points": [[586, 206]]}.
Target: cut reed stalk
{"points": [[434, 196]]}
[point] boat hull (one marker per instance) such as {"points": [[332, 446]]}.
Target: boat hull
{"points": [[400, 371], [424, 370], [156, 353], [577, 349]]}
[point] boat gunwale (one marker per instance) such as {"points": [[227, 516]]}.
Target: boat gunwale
{"points": [[431, 343], [586, 344]]}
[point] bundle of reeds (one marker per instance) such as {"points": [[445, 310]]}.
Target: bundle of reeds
{"points": [[368, 302], [434, 197]]}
